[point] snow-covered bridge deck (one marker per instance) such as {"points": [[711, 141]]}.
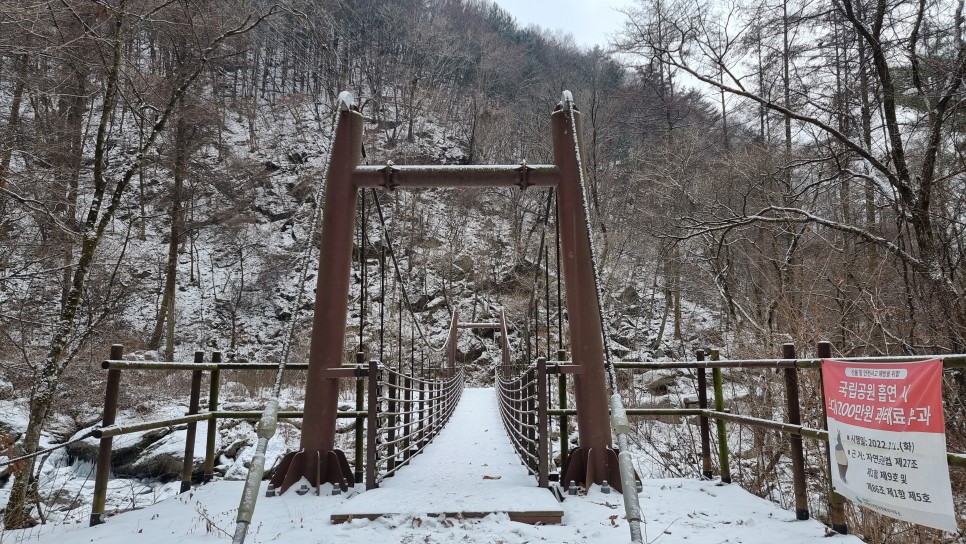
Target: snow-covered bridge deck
{"points": [[469, 470], [449, 478]]}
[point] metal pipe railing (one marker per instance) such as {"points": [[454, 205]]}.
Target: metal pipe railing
{"points": [[419, 409], [524, 410], [407, 413], [632, 505]]}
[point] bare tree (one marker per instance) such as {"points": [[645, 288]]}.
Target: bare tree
{"points": [[914, 78], [108, 30]]}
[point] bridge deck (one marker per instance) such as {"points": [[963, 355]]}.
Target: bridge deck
{"points": [[469, 470]]}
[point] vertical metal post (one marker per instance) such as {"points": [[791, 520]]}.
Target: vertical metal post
{"points": [[530, 405], [795, 441], [407, 418], [332, 289], [536, 324], [189, 442], [382, 298], [543, 428], [723, 459], [391, 421], [451, 345], [836, 502], [706, 471], [213, 388], [516, 394], [103, 473], [422, 413], [371, 422], [363, 272], [564, 420], [437, 412], [360, 455], [586, 335], [546, 277], [431, 410]]}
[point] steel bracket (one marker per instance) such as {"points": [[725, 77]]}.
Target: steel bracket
{"points": [[559, 369], [523, 171], [389, 176]]}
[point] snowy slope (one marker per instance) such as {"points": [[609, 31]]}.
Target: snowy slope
{"points": [[676, 510]]}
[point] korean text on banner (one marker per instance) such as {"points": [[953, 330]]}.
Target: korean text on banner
{"points": [[887, 440]]}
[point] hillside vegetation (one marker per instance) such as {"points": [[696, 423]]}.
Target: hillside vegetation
{"points": [[776, 172]]}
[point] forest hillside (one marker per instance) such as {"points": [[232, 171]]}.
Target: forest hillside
{"points": [[757, 173]]}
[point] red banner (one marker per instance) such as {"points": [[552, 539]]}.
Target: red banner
{"points": [[887, 442], [889, 397]]}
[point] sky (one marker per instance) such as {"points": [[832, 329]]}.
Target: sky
{"points": [[590, 21]]}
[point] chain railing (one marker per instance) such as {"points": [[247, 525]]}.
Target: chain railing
{"points": [[523, 409], [409, 412]]}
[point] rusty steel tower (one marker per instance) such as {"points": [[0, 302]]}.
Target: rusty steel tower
{"points": [[318, 460]]}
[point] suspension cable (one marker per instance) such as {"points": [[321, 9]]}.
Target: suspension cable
{"points": [[534, 305], [269, 420], [402, 284], [560, 334], [567, 100], [619, 422], [363, 265]]}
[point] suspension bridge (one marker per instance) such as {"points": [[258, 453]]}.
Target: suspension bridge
{"points": [[318, 461], [424, 442]]}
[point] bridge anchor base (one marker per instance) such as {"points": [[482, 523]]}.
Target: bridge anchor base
{"points": [[317, 467], [580, 465]]}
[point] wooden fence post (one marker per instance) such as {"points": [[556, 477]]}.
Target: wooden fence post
{"points": [[723, 459], [99, 501], [795, 440], [706, 471], [213, 388], [836, 502], [189, 442]]}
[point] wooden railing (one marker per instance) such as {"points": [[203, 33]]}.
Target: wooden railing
{"points": [[409, 412], [716, 409]]}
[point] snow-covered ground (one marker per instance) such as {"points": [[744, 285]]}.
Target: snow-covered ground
{"points": [[675, 510]]}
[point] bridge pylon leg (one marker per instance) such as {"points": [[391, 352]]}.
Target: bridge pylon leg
{"points": [[593, 461], [318, 460]]}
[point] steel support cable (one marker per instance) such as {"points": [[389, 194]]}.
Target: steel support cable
{"points": [[560, 334], [363, 266], [268, 423], [619, 421], [51, 449], [402, 284], [534, 305]]}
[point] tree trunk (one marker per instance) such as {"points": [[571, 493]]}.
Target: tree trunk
{"points": [[166, 314], [10, 132]]}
